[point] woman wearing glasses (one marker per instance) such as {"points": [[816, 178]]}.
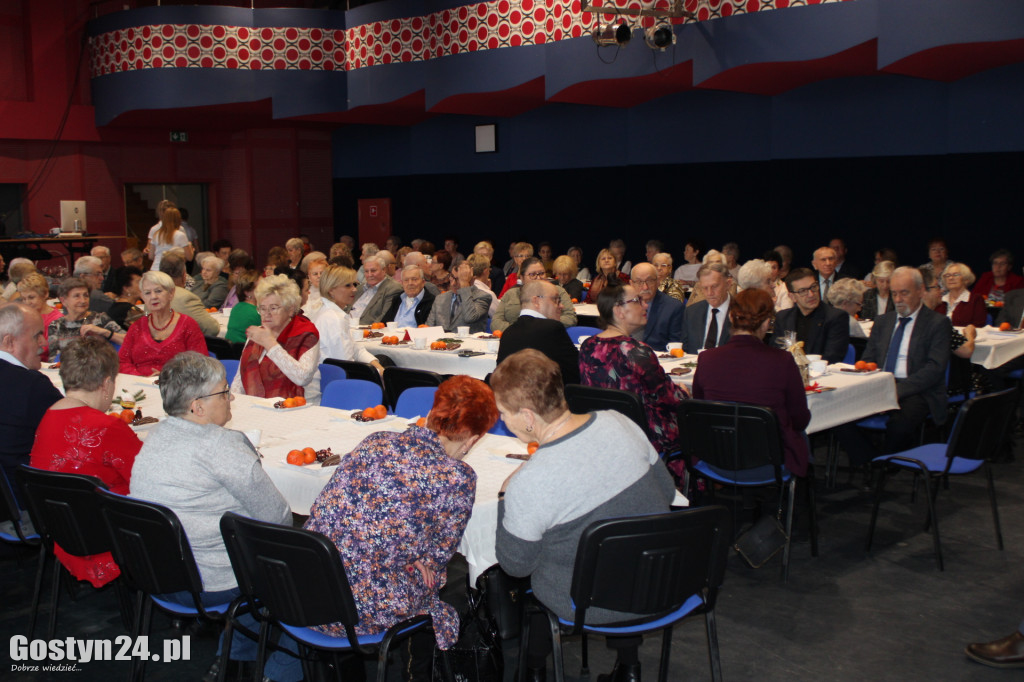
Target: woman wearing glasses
{"points": [[281, 356], [511, 304], [614, 359], [960, 305], [149, 345]]}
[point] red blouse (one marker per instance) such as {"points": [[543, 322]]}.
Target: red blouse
{"points": [[142, 355], [82, 440]]}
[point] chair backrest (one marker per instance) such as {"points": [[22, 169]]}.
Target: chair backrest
{"points": [[295, 573], [65, 509], [981, 424], [415, 401], [582, 398], [651, 564], [329, 373], [223, 349], [730, 436], [851, 355], [397, 379], [351, 394], [149, 545], [9, 511], [230, 369], [576, 332], [357, 370], [500, 429]]}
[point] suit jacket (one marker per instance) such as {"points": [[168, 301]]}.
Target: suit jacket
{"points": [[20, 417], [927, 357], [693, 327], [547, 336], [421, 313], [472, 313], [869, 309], [664, 321], [828, 335], [387, 292], [1013, 308], [847, 270], [187, 303], [99, 302], [108, 282], [510, 306]]}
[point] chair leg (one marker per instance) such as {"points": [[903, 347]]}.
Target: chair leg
{"points": [[934, 520], [138, 672], [524, 639], [812, 512], [995, 506], [556, 648], [666, 648], [879, 486], [37, 592], [54, 599], [446, 667], [261, 647], [789, 528], [584, 663], [716, 663]]}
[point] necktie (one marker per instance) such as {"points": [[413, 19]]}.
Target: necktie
{"points": [[712, 338], [455, 305], [828, 283], [894, 345]]}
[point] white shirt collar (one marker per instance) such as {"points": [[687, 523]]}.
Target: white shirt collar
{"points": [[4, 355], [964, 296], [530, 312]]}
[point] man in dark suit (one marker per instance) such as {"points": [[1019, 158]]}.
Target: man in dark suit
{"points": [[843, 269], [463, 306], [1012, 312], [540, 328], [914, 343], [664, 313], [706, 324], [824, 330], [30, 393], [412, 308]]}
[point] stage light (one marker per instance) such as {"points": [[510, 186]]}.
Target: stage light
{"points": [[659, 37], [612, 34]]}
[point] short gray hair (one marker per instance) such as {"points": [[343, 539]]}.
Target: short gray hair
{"points": [[720, 268], [847, 290], [310, 258], [410, 268], [294, 243], [713, 256], [12, 319], [754, 274], [99, 248], [187, 376], [380, 261], [883, 269], [158, 278], [69, 284], [966, 273], [84, 265], [284, 287], [914, 273], [173, 264], [19, 268], [218, 264]]}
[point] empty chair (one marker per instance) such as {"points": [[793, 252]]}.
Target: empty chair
{"points": [[415, 401], [582, 398], [357, 370], [397, 379], [328, 373], [576, 332], [230, 369], [351, 394], [222, 349], [978, 431]]}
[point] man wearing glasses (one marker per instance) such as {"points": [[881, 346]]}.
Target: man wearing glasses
{"points": [[664, 313], [90, 270], [706, 324], [824, 330], [540, 328]]}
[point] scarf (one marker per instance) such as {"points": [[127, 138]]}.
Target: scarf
{"points": [[263, 378]]}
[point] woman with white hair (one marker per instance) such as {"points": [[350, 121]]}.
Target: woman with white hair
{"points": [[756, 274], [212, 289], [848, 295], [148, 346], [281, 357], [959, 304], [877, 300]]}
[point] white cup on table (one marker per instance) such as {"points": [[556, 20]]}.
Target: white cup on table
{"points": [[818, 368], [492, 345], [419, 343], [673, 345], [392, 326], [463, 332]]}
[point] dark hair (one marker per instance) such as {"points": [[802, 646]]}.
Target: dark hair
{"points": [[296, 275], [172, 265], [123, 278], [245, 283], [532, 380], [463, 407], [444, 258], [527, 262], [773, 256], [799, 273], [750, 308], [609, 297], [343, 260], [698, 246], [240, 259], [888, 254], [1002, 253], [938, 240], [220, 244]]}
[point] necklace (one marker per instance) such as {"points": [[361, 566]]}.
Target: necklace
{"points": [[553, 429], [160, 329]]}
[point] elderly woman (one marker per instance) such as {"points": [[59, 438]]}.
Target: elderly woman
{"points": [[520, 252], [165, 333], [244, 313], [746, 370], [396, 508], [282, 355], [34, 291], [994, 284], [848, 295], [588, 467], [877, 300], [958, 304], [756, 274], [295, 249], [511, 305], [565, 269], [78, 320], [618, 249], [338, 291], [662, 263], [963, 376], [77, 436], [938, 257], [576, 253], [614, 359], [17, 270], [193, 465], [167, 234], [212, 289], [606, 274], [126, 288]]}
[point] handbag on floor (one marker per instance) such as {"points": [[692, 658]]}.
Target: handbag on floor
{"points": [[763, 540], [477, 656]]}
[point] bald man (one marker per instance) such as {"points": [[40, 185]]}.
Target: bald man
{"points": [[664, 313], [539, 327]]}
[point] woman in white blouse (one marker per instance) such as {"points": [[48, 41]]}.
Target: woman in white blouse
{"points": [[338, 291]]}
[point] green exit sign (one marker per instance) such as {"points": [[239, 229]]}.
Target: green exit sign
{"points": [[179, 136]]}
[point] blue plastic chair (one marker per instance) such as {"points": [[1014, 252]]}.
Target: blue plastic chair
{"points": [[851, 355], [330, 373], [351, 394], [499, 429], [576, 332], [415, 401], [230, 369]]}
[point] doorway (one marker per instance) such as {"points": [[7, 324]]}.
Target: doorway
{"points": [[140, 202]]}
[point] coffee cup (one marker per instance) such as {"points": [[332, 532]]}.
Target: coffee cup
{"points": [[463, 331], [419, 343]]}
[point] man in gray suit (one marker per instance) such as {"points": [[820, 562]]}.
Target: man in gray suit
{"points": [[465, 307], [380, 292], [184, 301], [706, 324]]}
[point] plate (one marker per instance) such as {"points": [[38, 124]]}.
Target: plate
{"points": [[270, 406], [860, 371]]}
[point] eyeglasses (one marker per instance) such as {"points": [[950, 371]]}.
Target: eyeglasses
{"points": [[950, 275], [269, 310], [645, 282], [804, 291], [554, 299], [213, 395], [635, 299], [534, 275]]}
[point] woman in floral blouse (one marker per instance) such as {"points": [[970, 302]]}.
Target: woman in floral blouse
{"points": [[614, 359], [396, 509]]}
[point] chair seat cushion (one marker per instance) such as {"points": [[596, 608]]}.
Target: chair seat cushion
{"points": [[933, 457], [762, 475], [875, 422], [688, 607], [319, 640], [174, 607]]}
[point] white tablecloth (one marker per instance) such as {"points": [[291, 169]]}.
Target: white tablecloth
{"points": [[440, 361], [993, 348], [222, 319], [586, 310]]}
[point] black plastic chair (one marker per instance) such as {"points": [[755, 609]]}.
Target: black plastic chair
{"points": [[358, 370], [297, 576], [224, 349], [979, 431], [397, 379], [10, 511], [155, 557], [736, 437], [669, 566], [64, 510], [582, 398]]}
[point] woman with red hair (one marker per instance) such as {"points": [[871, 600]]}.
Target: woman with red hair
{"points": [[396, 509]]}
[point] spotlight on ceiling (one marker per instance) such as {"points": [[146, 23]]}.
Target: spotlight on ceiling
{"points": [[659, 37], [612, 34]]}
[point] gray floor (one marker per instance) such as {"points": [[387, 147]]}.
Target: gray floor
{"points": [[845, 615]]}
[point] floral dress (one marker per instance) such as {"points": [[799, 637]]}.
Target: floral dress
{"points": [[395, 499], [625, 363], [61, 331]]}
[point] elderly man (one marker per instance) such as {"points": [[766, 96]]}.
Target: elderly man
{"points": [[481, 279], [379, 293], [132, 258], [706, 324], [29, 393], [412, 308], [824, 330], [419, 260], [666, 283], [912, 342], [90, 270], [390, 265], [462, 306], [19, 269], [103, 253], [664, 313], [369, 251], [540, 328], [184, 301], [824, 262], [843, 269]]}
